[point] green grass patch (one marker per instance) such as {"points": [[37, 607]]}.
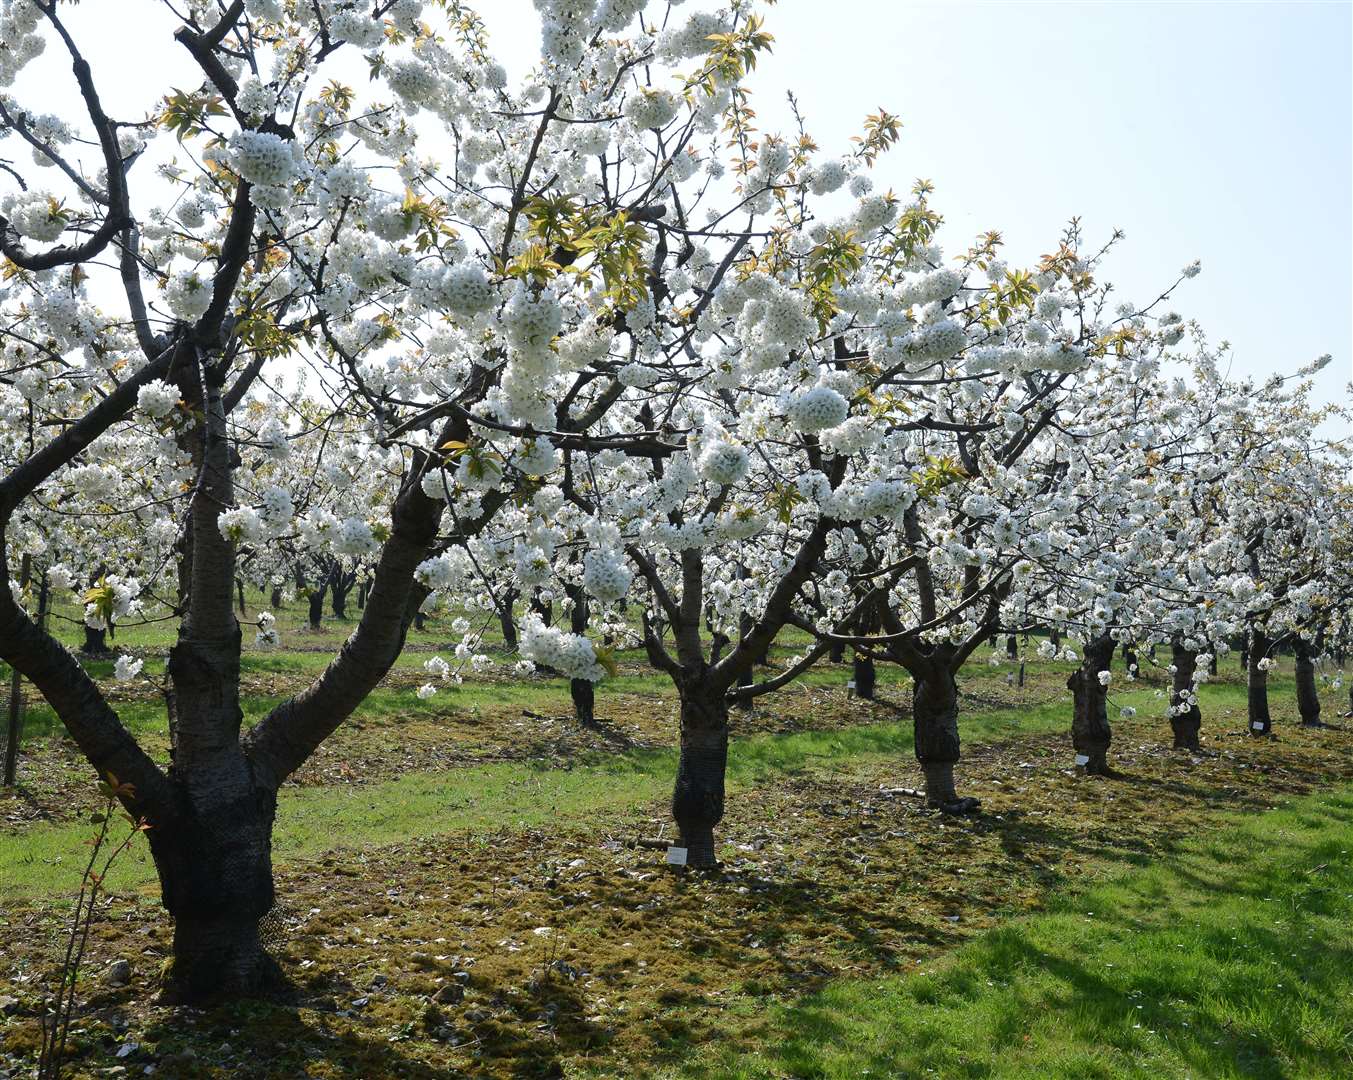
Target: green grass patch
{"points": [[487, 798], [1232, 958]]}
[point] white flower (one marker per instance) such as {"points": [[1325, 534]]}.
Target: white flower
{"points": [[241, 525], [263, 158], [1104, 678], [723, 462], [570, 654], [438, 667], [157, 399], [354, 537], [1127, 712], [816, 409], [188, 295], [127, 668], [647, 108], [605, 575], [426, 691], [827, 177]]}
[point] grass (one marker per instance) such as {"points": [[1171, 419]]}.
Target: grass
{"points": [[1231, 958], [41, 860]]}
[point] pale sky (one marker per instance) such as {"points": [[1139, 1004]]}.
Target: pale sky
{"points": [[1220, 131]]}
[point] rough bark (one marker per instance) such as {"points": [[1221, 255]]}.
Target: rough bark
{"points": [[698, 797], [214, 862], [1308, 696], [507, 619], [316, 599], [340, 585], [1090, 731], [1186, 718], [865, 676], [581, 691], [1130, 664], [1260, 722], [96, 641], [214, 853], [934, 703]]}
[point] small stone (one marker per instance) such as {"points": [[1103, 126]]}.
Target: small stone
{"points": [[127, 1049], [8, 1005], [118, 973], [378, 981], [450, 994]]}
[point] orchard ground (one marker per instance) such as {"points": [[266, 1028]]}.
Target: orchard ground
{"points": [[461, 892]]}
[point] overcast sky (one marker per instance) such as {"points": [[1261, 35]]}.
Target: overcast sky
{"points": [[1219, 131]]}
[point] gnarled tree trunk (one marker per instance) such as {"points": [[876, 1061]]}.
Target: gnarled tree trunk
{"points": [[864, 676], [1308, 696], [214, 854], [1090, 731], [934, 703], [316, 598], [96, 642], [1261, 723], [1185, 717], [698, 797], [581, 691]]}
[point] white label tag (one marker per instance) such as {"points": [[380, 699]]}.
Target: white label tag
{"points": [[1082, 759], [676, 856], [1258, 725]]}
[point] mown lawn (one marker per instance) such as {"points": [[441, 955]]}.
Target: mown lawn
{"points": [[40, 859], [1232, 958]]}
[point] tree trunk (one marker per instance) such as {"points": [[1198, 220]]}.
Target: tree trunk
{"points": [[1257, 647], [214, 853], [865, 676], [340, 584], [580, 690], [316, 599], [934, 703], [96, 642], [1090, 731], [697, 800], [15, 728], [239, 585], [1130, 664], [1011, 647], [584, 701], [1308, 696], [216, 881], [1185, 717], [506, 618], [362, 590], [275, 600]]}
